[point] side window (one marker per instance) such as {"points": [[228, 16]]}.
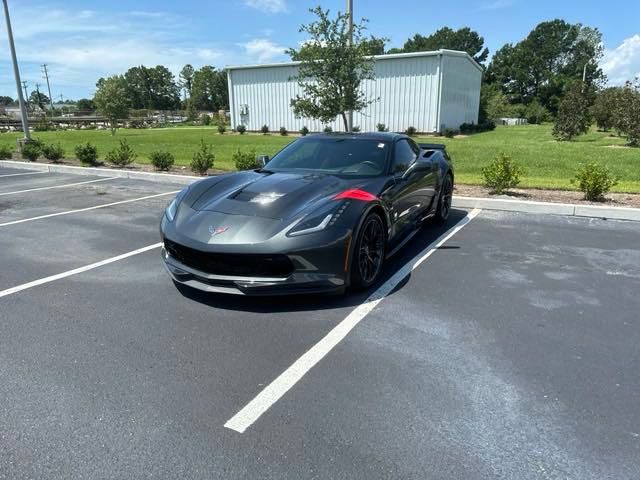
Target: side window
{"points": [[403, 157]]}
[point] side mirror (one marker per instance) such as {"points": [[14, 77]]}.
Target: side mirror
{"points": [[263, 160]]}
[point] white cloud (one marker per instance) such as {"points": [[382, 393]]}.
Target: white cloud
{"points": [[623, 62], [79, 52], [269, 6], [263, 50]]}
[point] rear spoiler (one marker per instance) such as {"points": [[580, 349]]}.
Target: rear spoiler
{"points": [[432, 146]]}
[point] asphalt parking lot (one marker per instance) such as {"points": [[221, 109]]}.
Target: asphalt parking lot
{"points": [[511, 351]]}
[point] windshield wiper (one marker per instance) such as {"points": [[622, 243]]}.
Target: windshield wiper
{"points": [[265, 170]]}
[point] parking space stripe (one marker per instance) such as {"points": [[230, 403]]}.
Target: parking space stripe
{"points": [[59, 186], [292, 375], [19, 174], [75, 271], [79, 210]]}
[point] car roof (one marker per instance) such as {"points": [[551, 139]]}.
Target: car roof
{"points": [[380, 136]]}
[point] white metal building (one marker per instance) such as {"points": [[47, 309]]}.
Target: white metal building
{"points": [[430, 91]]}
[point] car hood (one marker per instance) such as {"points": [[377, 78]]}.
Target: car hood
{"points": [[252, 207], [277, 196]]}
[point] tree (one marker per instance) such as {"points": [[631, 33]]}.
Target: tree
{"points": [[85, 104], [332, 68], [543, 65], [464, 39], [112, 100], [152, 88], [627, 112], [186, 78], [374, 46], [209, 89], [604, 106], [39, 99], [6, 101], [573, 117]]}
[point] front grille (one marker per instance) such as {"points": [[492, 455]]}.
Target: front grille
{"points": [[231, 264]]}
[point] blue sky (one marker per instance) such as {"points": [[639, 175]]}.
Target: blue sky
{"points": [[83, 40]]}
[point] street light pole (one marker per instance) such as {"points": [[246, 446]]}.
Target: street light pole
{"points": [[23, 110], [350, 15]]}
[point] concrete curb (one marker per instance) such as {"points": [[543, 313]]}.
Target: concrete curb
{"points": [[102, 172], [567, 209], [504, 204]]}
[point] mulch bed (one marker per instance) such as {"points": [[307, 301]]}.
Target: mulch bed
{"points": [[558, 196]]}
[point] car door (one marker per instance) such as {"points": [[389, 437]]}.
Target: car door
{"points": [[425, 177], [403, 197]]}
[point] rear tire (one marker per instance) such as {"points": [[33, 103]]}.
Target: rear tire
{"points": [[368, 253], [444, 200]]}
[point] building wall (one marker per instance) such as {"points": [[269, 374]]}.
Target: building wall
{"points": [[406, 91], [460, 101]]}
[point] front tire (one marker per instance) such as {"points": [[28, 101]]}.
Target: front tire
{"points": [[368, 253], [445, 199]]}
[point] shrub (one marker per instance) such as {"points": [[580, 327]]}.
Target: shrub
{"points": [[202, 159], [162, 160], [205, 119], [486, 126], [31, 151], [355, 129], [283, 131], [411, 131], [594, 181], [328, 129], [450, 132], [123, 155], [241, 129], [221, 128], [304, 131], [381, 127], [87, 154], [264, 129], [53, 152], [467, 128], [5, 152], [501, 174], [245, 160], [43, 125]]}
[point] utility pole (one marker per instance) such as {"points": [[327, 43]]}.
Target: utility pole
{"points": [[350, 15], [38, 93], [26, 95], [46, 76], [16, 71]]}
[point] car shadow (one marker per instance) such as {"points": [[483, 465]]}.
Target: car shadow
{"points": [[300, 303]]}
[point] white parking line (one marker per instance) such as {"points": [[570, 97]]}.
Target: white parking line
{"points": [[18, 174], [67, 212], [75, 271], [59, 186], [281, 385]]}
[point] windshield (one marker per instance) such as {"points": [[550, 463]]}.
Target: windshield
{"points": [[334, 156]]}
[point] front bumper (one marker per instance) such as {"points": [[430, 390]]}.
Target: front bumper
{"points": [[318, 267]]}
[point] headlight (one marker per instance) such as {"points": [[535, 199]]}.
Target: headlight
{"points": [[316, 222], [172, 209]]}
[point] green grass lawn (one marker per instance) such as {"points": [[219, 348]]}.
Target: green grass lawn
{"points": [[548, 163], [182, 142]]}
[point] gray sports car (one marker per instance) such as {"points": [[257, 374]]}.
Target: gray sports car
{"points": [[321, 216]]}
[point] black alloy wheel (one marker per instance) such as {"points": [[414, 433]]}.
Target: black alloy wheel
{"points": [[368, 256], [446, 197]]}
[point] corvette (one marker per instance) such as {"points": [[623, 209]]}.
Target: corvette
{"points": [[321, 216]]}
